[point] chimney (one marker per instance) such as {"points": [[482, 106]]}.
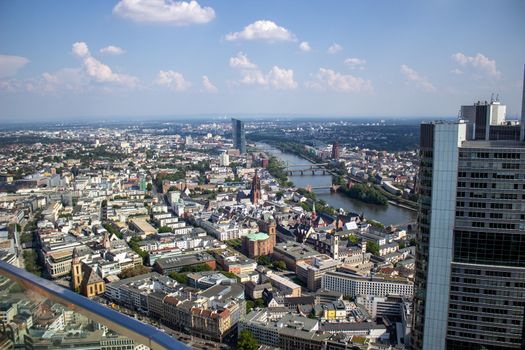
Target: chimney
{"points": [[522, 126]]}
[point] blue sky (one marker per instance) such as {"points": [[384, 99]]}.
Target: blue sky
{"points": [[103, 59]]}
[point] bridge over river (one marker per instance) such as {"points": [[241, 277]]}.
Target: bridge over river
{"points": [[320, 184]]}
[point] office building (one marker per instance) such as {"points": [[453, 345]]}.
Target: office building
{"points": [[354, 285], [312, 272], [336, 150], [166, 266], [238, 136], [470, 253], [224, 159]]}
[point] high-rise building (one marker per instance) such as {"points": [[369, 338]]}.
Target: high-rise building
{"points": [[336, 150], [238, 135], [470, 253], [224, 159]]}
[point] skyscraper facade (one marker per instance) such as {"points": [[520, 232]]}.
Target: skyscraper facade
{"points": [[238, 135], [470, 253], [336, 150]]}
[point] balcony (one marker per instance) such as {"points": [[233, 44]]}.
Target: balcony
{"points": [[38, 314]]}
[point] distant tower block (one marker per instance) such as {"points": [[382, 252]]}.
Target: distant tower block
{"points": [[336, 150], [238, 135]]}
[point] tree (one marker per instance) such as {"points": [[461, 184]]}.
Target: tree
{"points": [[164, 229], [31, 262], [112, 230], [281, 265], [264, 260], [353, 239], [229, 274], [365, 194], [149, 187], [250, 304], [134, 271], [246, 341], [259, 303], [179, 277], [134, 245], [372, 247]]}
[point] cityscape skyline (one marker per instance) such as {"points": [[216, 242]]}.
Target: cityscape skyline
{"points": [[124, 59], [307, 235], [180, 174]]}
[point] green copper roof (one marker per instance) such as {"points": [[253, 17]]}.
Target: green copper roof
{"points": [[260, 236]]}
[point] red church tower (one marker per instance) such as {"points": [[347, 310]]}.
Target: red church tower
{"points": [[255, 193]]}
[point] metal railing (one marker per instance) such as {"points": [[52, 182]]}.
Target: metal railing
{"points": [[116, 321]]}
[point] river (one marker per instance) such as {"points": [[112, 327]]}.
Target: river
{"points": [[388, 215]]}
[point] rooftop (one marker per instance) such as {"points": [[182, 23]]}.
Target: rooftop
{"points": [[259, 236]]}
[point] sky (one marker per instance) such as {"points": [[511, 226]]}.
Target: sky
{"points": [[102, 59]]}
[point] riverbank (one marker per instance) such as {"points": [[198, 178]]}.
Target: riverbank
{"points": [[401, 202], [389, 214], [389, 198], [399, 205]]}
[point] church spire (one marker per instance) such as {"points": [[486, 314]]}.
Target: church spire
{"points": [[255, 193]]}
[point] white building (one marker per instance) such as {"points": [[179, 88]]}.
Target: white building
{"points": [[353, 285], [224, 159]]}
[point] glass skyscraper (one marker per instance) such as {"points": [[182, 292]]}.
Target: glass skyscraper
{"points": [[470, 253], [238, 135]]}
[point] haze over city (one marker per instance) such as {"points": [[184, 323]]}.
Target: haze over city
{"points": [[101, 59]]}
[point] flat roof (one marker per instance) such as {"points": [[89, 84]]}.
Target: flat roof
{"points": [[143, 225]]}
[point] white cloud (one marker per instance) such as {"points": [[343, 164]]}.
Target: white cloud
{"points": [[208, 85], [305, 46], [281, 78], [179, 13], [112, 50], [334, 48], [456, 71], [103, 74], [355, 63], [241, 61], [262, 30], [327, 79], [277, 78], [73, 79], [420, 81], [172, 80], [67, 79], [9, 65], [80, 49], [253, 77], [97, 70], [479, 62]]}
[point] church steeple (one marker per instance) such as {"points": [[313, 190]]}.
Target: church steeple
{"points": [[76, 270], [106, 241], [314, 213], [255, 193]]}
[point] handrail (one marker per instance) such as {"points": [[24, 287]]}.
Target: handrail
{"points": [[140, 332]]}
